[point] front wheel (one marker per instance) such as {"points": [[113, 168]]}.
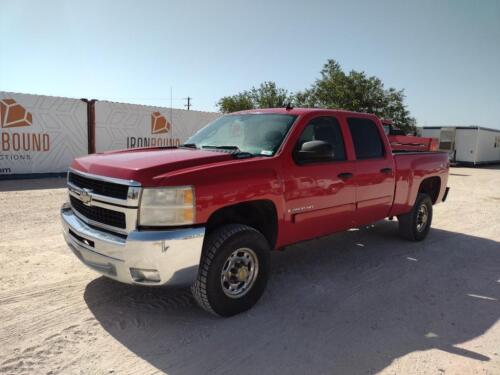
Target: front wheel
{"points": [[415, 225], [233, 272]]}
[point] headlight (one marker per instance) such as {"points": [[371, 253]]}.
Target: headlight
{"points": [[167, 206]]}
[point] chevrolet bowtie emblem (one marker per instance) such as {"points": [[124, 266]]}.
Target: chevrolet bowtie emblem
{"points": [[86, 196]]}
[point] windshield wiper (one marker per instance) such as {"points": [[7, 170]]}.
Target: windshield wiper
{"points": [[229, 148], [189, 145], [243, 155], [234, 150]]}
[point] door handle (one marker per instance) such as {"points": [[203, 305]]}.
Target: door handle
{"points": [[345, 175], [386, 170]]}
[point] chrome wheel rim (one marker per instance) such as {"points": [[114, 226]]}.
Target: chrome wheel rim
{"points": [[422, 217], [239, 272]]}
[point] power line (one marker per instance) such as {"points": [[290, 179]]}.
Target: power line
{"points": [[162, 99]]}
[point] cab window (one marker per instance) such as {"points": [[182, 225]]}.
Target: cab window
{"points": [[366, 138], [325, 129]]}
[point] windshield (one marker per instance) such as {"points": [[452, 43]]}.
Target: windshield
{"points": [[256, 134]]}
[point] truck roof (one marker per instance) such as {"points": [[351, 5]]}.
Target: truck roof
{"points": [[299, 111]]}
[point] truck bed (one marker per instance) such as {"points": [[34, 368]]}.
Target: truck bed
{"points": [[412, 167]]}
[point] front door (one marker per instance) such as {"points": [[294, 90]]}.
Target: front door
{"points": [[320, 195]]}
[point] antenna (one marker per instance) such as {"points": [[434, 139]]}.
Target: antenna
{"points": [[188, 105]]}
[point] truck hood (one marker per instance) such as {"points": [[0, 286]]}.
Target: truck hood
{"points": [[143, 165]]}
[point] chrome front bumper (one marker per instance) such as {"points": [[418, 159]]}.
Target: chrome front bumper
{"points": [[171, 256]]}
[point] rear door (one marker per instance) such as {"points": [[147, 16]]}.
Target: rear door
{"points": [[320, 195], [374, 176]]}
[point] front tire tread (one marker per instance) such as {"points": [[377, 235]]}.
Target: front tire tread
{"points": [[215, 241]]}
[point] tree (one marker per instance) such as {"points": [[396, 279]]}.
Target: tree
{"points": [[356, 92], [334, 89], [238, 102], [267, 95]]}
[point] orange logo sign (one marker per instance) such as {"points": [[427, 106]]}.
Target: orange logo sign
{"points": [[13, 115], [159, 124]]}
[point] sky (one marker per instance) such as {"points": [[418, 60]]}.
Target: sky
{"points": [[444, 54]]}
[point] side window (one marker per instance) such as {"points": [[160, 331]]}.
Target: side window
{"points": [[325, 129], [366, 138]]}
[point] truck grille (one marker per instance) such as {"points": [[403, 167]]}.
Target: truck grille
{"points": [[108, 189], [99, 214]]}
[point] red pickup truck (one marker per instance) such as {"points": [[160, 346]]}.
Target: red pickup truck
{"points": [[209, 212]]}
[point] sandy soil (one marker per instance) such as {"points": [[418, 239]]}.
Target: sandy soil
{"points": [[359, 302]]}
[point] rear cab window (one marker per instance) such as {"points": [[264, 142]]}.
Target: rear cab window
{"points": [[366, 138]]}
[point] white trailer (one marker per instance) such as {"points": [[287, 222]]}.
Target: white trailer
{"points": [[470, 145]]}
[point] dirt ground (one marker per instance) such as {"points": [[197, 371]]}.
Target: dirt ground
{"points": [[359, 302]]}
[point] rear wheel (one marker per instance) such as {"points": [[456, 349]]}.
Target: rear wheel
{"points": [[415, 225], [233, 270]]}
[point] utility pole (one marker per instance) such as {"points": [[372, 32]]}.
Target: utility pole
{"points": [[171, 108], [188, 105]]}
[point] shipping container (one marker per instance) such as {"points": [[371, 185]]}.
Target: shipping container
{"points": [[41, 135], [122, 125]]}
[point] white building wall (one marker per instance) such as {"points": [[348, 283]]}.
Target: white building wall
{"points": [[40, 134]]}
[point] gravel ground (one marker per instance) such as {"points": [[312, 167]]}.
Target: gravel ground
{"points": [[359, 302]]}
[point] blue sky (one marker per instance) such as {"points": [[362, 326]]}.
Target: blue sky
{"points": [[445, 54]]}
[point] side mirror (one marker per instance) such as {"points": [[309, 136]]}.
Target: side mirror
{"points": [[314, 151]]}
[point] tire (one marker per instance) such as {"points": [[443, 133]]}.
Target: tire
{"points": [[225, 284], [410, 224]]}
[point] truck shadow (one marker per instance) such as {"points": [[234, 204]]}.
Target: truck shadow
{"points": [[348, 303]]}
